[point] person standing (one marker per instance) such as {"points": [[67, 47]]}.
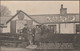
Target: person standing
{"points": [[30, 37], [33, 34], [37, 33], [25, 32]]}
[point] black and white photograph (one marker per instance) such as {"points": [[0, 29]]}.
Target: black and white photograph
{"points": [[39, 26]]}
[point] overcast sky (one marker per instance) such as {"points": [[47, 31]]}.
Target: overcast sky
{"points": [[41, 7]]}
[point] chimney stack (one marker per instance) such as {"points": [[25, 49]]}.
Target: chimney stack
{"points": [[63, 11]]}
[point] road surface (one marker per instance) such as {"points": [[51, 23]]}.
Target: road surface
{"points": [[25, 49]]}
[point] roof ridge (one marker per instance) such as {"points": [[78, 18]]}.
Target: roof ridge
{"points": [[12, 17], [30, 17], [22, 12]]}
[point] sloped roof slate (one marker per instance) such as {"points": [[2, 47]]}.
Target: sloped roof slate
{"points": [[37, 18]]}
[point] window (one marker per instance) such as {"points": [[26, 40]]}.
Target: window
{"points": [[52, 28]]}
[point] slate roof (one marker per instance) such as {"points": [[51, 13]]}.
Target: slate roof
{"points": [[25, 14], [37, 18], [43, 18]]}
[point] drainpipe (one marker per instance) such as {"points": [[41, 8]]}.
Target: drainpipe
{"points": [[59, 24]]}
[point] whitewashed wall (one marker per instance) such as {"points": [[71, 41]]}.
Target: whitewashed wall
{"points": [[7, 29], [68, 28]]}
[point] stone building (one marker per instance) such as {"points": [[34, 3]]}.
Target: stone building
{"points": [[63, 23]]}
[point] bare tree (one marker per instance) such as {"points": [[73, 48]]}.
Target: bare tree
{"points": [[4, 11]]}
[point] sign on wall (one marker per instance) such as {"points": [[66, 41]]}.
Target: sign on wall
{"points": [[21, 16]]}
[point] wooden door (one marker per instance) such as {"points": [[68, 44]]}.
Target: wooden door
{"points": [[13, 27]]}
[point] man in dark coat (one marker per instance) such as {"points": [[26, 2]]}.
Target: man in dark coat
{"points": [[25, 32]]}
